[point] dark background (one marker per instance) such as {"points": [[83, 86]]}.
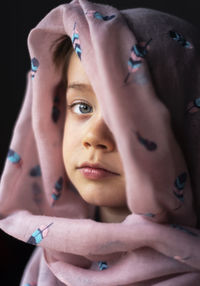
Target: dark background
{"points": [[17, 19]]}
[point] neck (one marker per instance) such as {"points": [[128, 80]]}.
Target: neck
{"points": [[113, 214]]}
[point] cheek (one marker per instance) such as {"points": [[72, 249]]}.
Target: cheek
{"points": [[66, 145], [71, 143]]}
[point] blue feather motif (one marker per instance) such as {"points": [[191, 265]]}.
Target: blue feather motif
{"points": [[176, 226], [57, 190], [38, 235], [138, 53], [178, 37], [14, 158], [179, 186], [149, 215], [35, 171], [149, 145], [37, 194], [193, 106], [102, 265], [55, 114], [99, 16], [76, 42], [34, 66], [197, 102]]}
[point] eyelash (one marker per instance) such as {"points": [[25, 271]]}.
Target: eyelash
{"points": [[70, 106]]}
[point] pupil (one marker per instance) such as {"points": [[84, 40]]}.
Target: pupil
{"points": [[84, 107]]}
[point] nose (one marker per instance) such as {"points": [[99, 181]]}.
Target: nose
{"points": [[99, 136]]}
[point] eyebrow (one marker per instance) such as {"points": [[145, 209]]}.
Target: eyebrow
{"points": [[79, 86]]}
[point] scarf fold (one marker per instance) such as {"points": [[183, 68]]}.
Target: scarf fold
{"points": [[144, 68]]}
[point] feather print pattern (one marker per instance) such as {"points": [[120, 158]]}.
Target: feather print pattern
{"points": [[37, 195], [35, 171], [55, 113], [193, 106], [102, 265], [150, 215], [184, 229], [57, 190], [149, 145], [179, 186], [34, 67], [138, 53], [178, 37], [39, 234], [76, 41], [98, 15], [14, 158]]}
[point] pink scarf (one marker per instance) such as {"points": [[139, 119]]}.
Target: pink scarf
{"points": [[144, 67]]}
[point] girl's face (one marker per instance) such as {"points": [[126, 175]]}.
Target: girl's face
{"points": [[88, 139]]}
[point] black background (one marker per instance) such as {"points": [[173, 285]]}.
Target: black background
{"points": [[17, 19]]}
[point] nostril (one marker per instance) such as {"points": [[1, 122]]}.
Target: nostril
{"points": [[102, 146], [86, 144]]}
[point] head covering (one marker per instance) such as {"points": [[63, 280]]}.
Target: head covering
{"points": [[144, 67]]}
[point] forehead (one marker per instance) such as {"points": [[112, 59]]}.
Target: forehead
{"points": [[80, 86], [76, 72], [77, 78]]}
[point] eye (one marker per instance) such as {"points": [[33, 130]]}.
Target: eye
{"points": [[82, 107]]}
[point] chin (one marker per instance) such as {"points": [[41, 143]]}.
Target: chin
{"points": [[93, 194], [102, 202]]}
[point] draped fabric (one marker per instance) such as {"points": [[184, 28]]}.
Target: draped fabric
{"points": [[144, 67]]}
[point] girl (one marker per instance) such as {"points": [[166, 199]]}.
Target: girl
{"points": [[102, 171]]}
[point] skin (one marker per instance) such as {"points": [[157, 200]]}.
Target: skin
{"points": [[88, 138]]}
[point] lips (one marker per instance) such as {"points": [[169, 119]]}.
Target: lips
{"points": [[96, 166], [95, 174]]}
